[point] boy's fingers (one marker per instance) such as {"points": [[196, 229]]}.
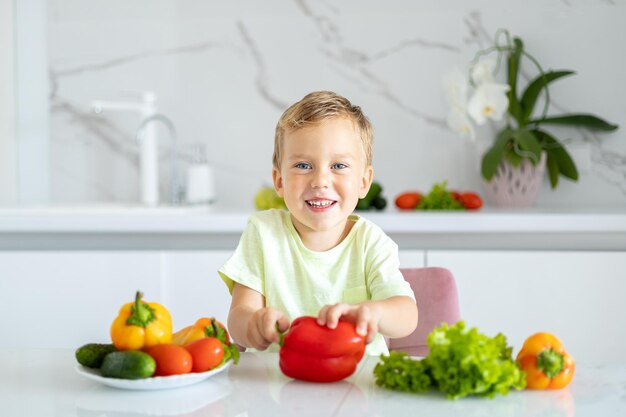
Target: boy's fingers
{"points": [[363, 317], [322, 315], [273, 322], [332, 316], [338, 311], [259, 343], [255, 336], [269, 327], [283, 323]]}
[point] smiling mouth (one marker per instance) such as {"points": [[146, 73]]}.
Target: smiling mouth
{"points": [[320, 204]]}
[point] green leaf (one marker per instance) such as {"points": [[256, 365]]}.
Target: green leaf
{"points": [[461, 362], [530, 95], [439, 198], [398, 371], [553, 170], [515, 108], [567, 168], [588, 121], [559, 155], [216, 331], [494, 155], [513, 157], [529, 143]]}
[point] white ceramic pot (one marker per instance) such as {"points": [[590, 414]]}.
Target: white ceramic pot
{"points": [[516, 186]]}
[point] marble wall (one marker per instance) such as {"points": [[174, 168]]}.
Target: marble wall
{"points": [[223, 72]]}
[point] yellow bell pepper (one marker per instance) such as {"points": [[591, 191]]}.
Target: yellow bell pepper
{"points": [[203, 327], [141, 325]]}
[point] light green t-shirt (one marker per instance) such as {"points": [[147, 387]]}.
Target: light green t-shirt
{"points": [[272, 260]]}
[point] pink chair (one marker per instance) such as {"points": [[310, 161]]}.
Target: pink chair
{"points": [[437, 302]]}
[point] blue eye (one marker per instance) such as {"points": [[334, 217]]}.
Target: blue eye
{"points": [[302, 165], [339, 166]]}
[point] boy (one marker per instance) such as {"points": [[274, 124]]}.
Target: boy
{"points": [[317, 258]]}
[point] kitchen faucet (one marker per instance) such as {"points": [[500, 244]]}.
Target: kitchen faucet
{"points": [[148, 144], [142, 135]]}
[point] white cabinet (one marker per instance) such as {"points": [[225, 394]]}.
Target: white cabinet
{"points": [[578, 296], [66, 299], [192, 286], [412, 258]]}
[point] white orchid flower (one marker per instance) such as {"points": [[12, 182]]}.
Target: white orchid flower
{"points": [[455, 84], [460, 123], [489, 101], [483, 72]]}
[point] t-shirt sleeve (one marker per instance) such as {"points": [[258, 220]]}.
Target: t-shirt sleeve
{"points": [[246, 266], [384, 278]]}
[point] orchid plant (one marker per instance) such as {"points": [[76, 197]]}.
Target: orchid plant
{"points": [[477, 97]]}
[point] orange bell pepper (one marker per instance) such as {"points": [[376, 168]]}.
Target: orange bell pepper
{"points": [[546, 363], [140, 325], [203, 327]]}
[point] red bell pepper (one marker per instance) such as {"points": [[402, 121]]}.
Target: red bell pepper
{"points": [[311, 352]]}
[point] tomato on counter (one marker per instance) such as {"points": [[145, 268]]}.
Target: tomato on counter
{"points": [[207, 353], [170, 359], [470, 200], [455, 194], [408, 200], [439, 198]]}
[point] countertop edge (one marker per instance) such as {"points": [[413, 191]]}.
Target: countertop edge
{"points": [[391, 222]]}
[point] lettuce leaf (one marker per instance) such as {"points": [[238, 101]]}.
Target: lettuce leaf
{"points": [[461, 362], [439, 198]]}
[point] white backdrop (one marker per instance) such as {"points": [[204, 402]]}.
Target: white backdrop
{"points": [[225, 71]]}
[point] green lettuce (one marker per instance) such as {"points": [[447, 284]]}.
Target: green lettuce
{"points": [[439, 198], [461, 362]]}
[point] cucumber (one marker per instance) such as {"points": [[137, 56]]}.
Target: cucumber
{"points": [[379, 202], [91, 355], [130, 364], [365, 203]]}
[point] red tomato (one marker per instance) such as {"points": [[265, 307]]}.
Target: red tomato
{"points": [[206, 353], [455, 194], [170, 359], [408, 200], [470, 201]]}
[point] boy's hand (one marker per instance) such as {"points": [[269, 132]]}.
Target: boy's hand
{"points": [[360, 314], [262, 331]]}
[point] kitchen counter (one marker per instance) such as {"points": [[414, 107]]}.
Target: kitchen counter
{"points": [[190, 228], [43, 382]]}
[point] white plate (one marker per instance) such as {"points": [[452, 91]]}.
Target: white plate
{"points": [[201, 399], [156, 382]]}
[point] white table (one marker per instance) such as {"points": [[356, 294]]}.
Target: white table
{"points": [[41, 383]]}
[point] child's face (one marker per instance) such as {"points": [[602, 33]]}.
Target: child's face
{"points": [[323, 174]]}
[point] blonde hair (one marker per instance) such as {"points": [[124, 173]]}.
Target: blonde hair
{"points": [[315, 107]]}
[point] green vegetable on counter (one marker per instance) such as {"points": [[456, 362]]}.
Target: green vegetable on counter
{"points": [[438, 198], [461, 362], [91, 355], [130, 364], [266, 198], [373, 198]]}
